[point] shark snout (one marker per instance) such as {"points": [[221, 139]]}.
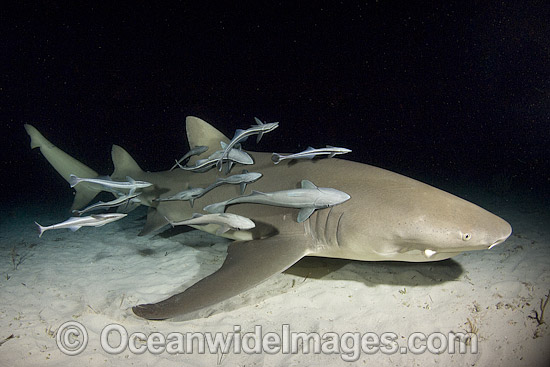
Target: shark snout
{"points": [[505, 232]]}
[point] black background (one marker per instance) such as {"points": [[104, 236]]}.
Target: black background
{"points": [[445, 91]]}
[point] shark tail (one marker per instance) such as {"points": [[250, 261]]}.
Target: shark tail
{"points": [[41, 229], [37, 139], [66, 166]]}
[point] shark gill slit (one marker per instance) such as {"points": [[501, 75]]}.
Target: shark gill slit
{"points": [[325, 226], [338, 229], [326, 229], [311, 227]]}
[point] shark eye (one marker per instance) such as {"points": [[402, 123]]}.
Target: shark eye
{"points": [[466, 236]]}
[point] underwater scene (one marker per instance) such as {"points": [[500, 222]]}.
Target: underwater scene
{"points": [[275, 184]]}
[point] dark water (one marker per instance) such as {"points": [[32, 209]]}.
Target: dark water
{"points": [[453, 94]]}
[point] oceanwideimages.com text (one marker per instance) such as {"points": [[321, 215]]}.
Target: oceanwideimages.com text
{"points": [[72, 339]]}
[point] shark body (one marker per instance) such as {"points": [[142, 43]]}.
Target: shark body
{"points": [[389, 217]]}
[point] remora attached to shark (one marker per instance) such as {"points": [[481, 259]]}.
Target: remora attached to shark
{"points": [[75, 223], [226, 221], [389, 217], [308, 198]]}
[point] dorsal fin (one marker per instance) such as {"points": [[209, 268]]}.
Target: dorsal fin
{"points": [[258, 121], [306, 184], [200, 132], [124, 164]]}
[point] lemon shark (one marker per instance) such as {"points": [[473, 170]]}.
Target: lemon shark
{"points": [[388, 217]]}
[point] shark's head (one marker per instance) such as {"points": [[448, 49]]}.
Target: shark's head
{"points": [[449, 226], [424, 224]]}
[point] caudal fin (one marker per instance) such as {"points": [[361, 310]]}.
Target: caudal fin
{"points": [[65, 165], [41, 229], [37, 139]]}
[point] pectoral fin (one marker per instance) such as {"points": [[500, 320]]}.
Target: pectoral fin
{"points": [[304, 214], [155, 221], [246, 265], [222, 229]]}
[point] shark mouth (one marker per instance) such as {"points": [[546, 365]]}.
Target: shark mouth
{"points": [[498, 242], [429, 253]]}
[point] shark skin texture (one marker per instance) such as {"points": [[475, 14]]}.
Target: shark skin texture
{"points": [[388, 217]]}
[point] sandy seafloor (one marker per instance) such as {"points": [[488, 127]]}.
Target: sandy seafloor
{"points": [[95, 275]]}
